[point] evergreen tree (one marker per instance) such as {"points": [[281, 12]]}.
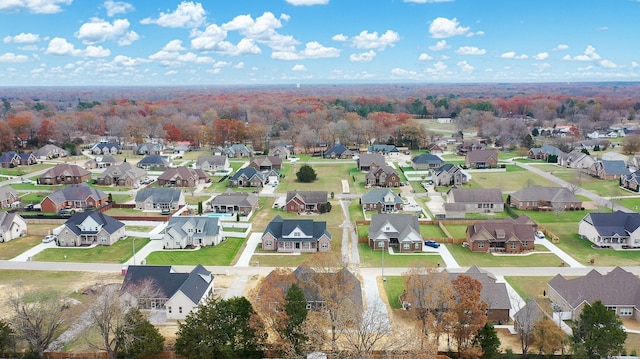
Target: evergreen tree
{"points": [[598, 333], [488, 340], [306, 174], [6, 336], [138, 338], [528, 142], [296, 309]]}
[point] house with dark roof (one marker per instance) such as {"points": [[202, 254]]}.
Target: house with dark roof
{"points": [[27, 159], [102, 161], [154, 162], [65, 174], [248, 177], [183, 177], [481, 159], [12, 226], [575, 159], [90, 227], [305, 201], [382, 200], [122, 175], [159, 198], [426, 161], [544, 199], [477, 200], [8, 196], [296, 235], [192, 231], [544, 152], [243, 203], [50, 151], [236, 150], [385, 150], [619, 230], [266, 163], [368, 161], [9, 159], [106, 148], [175, 293], [212, 163], [609, 170], [338, 151], [74, 197], [617, 290], [149, 149], [448, 175], [434, 148], [383, 176], [399, 231], [506, 235], [526, 319], [631, 181], [468, 146], [281, 151]]}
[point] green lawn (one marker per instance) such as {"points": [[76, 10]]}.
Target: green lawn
{"points": [[33, 197], [394, 287], [554, 217], [513, 179], [457, 230], [371, 258], [193, 200], [604, 188], [24, 170], [431, 231], [223, 254], [329, 178], [17, 246], [529, 287], [119, 252], [467, 258], [130, 212]]}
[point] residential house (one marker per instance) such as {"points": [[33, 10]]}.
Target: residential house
{"points": [[367, 161], [477, 200], [50, 151], [122, 175], [631, 181], [212, 163], [305, 201], [242, 203], [237, 150], [74, 197], [9, 159], [27, 159], [12, 226], [426, 161], [618, 230], [296, 235], [102, 161], [506, 235], [90, 227], [593, 144], [159, 199], [248, 177], [8, 196], [575, 159], [435, 149], [266, 163], [385, 150], [481, 159], [609, 170], [383, 176], [615, 156], [617, 290], [174, 293], [382, 200], [191, 232], [544, 199], [448, 175], [399, 231], [468, 146], [280, 151], [183, 177], [154, 162], [106, 148], [149, 149], [65, 174], [338, 151], [545, 153]]}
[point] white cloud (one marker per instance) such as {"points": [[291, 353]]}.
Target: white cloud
{"points": [[34, 6], [513, 55], [173, 45], [22, 38], [437, 67], [589, 54], [560, 47], [541, 66], [470, 50], [129, 38], [299, 68], [96, 51], [602, 28], [366, 40], [340, 37], [209, 39], [307, 2], [221, 64], [442, 28], [439, 46], [313, 50], [11, 57], [363, 57], [399, 72], [117, 7], [171, 72], [60, 46], [126, 61], [187, 14], [239, 65], [465, 67], [98, 30], [541, 56], [477, 33], [425, 57], [263, 30], [634, 65], [608, 64]]}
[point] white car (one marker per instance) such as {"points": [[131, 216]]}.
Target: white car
{"points": [[27, 181], [50, 238], [539, 235]]}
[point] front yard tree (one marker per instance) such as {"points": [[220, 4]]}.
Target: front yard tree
{"points": [[488, 340], [221, 328], [6, 334], [549, 338], [107, 314], [306, 174], [598, 333], [470, 312], [138, 338], [296, 309]]}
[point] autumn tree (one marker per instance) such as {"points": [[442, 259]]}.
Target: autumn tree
{"points": [[372, 331], [107, 314], [548, 337], [46, 131], [631, 144], [7, 137], [470, 312], [171, 132], [598, 333]]}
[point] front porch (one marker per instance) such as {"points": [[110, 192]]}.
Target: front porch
{"points": [[297, 246]]}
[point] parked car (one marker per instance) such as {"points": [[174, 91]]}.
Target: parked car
{"points": [[539, 235], [50, 238], [27, 181], [432, 244], [165, 211]]}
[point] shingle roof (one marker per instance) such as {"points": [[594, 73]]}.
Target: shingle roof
{"points": [[76, 192], [248, 172], [213, 160], [168, 281], [383, 148], [65, 169], [366, 159], [481, 155], [159, 195], [337, 150], [242, 199], [49, 149], [615, 167], [208, 226], [377, 195], [508, 228], [6, 219], [7, 192], [279, 227], [552, 194], [549, 149], [476, 195], [308, 196], [123, 169], [406, 227], [183, 173], [616, 223], [495, 294], [109, 224], [157, 160], [427, 158]]}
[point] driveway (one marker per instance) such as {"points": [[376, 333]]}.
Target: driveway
{"points": [[26, 256], [567, 259]]}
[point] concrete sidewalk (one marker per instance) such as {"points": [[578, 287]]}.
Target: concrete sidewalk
{"points": [[567, 259]]}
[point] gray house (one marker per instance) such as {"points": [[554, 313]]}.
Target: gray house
{"points": [[187, 231], [212, 163], [234, 202], [477, 200], [400, 231], [154, 162], [160, 198], [382, 200], [87, 228], [426, 161]]}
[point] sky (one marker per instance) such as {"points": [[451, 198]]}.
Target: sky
{"points": [[299, 42]]}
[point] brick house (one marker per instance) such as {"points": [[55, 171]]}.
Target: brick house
{"points": [[544, 198], [296, 235], [481, 159], [477, 200], [65, 174], [183, 177], [399, 231], [383, 176], [73, 197], [382, 200], [507, 235], [305, 201]]}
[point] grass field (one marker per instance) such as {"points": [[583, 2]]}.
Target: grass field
{"points": [[119, 252], [371, 258], [466, 258], [17, 246], [511, 180], [431, 231], [394, 287], [329, 178], [529, 288], [223, 254], [457, 230]]}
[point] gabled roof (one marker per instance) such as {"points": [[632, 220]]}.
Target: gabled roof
{"points": [[476, 195], [615, 288], [279, 227], [573, 156], [149, 147], [7, 192], [383, 148], [529, 315], [48, 150], [505, 230], [213, 160], [109, 224], [230, 198], [615, 167], [366, 159], [388, 170], [154, 160], [551, 194], [427, 158], [548, 149], [494, 293], [447, 167], [267, 161], [248, 172], [306, 276], [207, 226], [64, 169], [8, 157], [159, 195], [109, 145], [182, 173], [124, 169], [404, 227], [633, 177], [76, 192], [168, 282], [6, 219], [481, 155], [338, 150], [308, 196], [611, 224], [377, 195]]}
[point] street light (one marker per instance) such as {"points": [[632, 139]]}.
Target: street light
{"points": [[133, 247], [383, 249]]}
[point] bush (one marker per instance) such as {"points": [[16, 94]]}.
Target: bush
{"points": [[306, 174]]}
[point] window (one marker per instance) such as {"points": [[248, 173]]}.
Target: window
{"points": [[180, 310], [103, 239], [381, 244], [480, 244], [268, 243], [479, 205], [513, 245], [169, 309], [417, 245], [406, 246], [626, 312], [325, 245]]}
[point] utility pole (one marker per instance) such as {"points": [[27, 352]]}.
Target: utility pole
{"points": [[133, 247]]}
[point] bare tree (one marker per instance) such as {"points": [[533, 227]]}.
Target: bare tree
{"points": [[370, 333], [107, 314]]}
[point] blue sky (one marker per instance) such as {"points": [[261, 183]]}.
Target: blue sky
{"points": [[254, 42]]}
